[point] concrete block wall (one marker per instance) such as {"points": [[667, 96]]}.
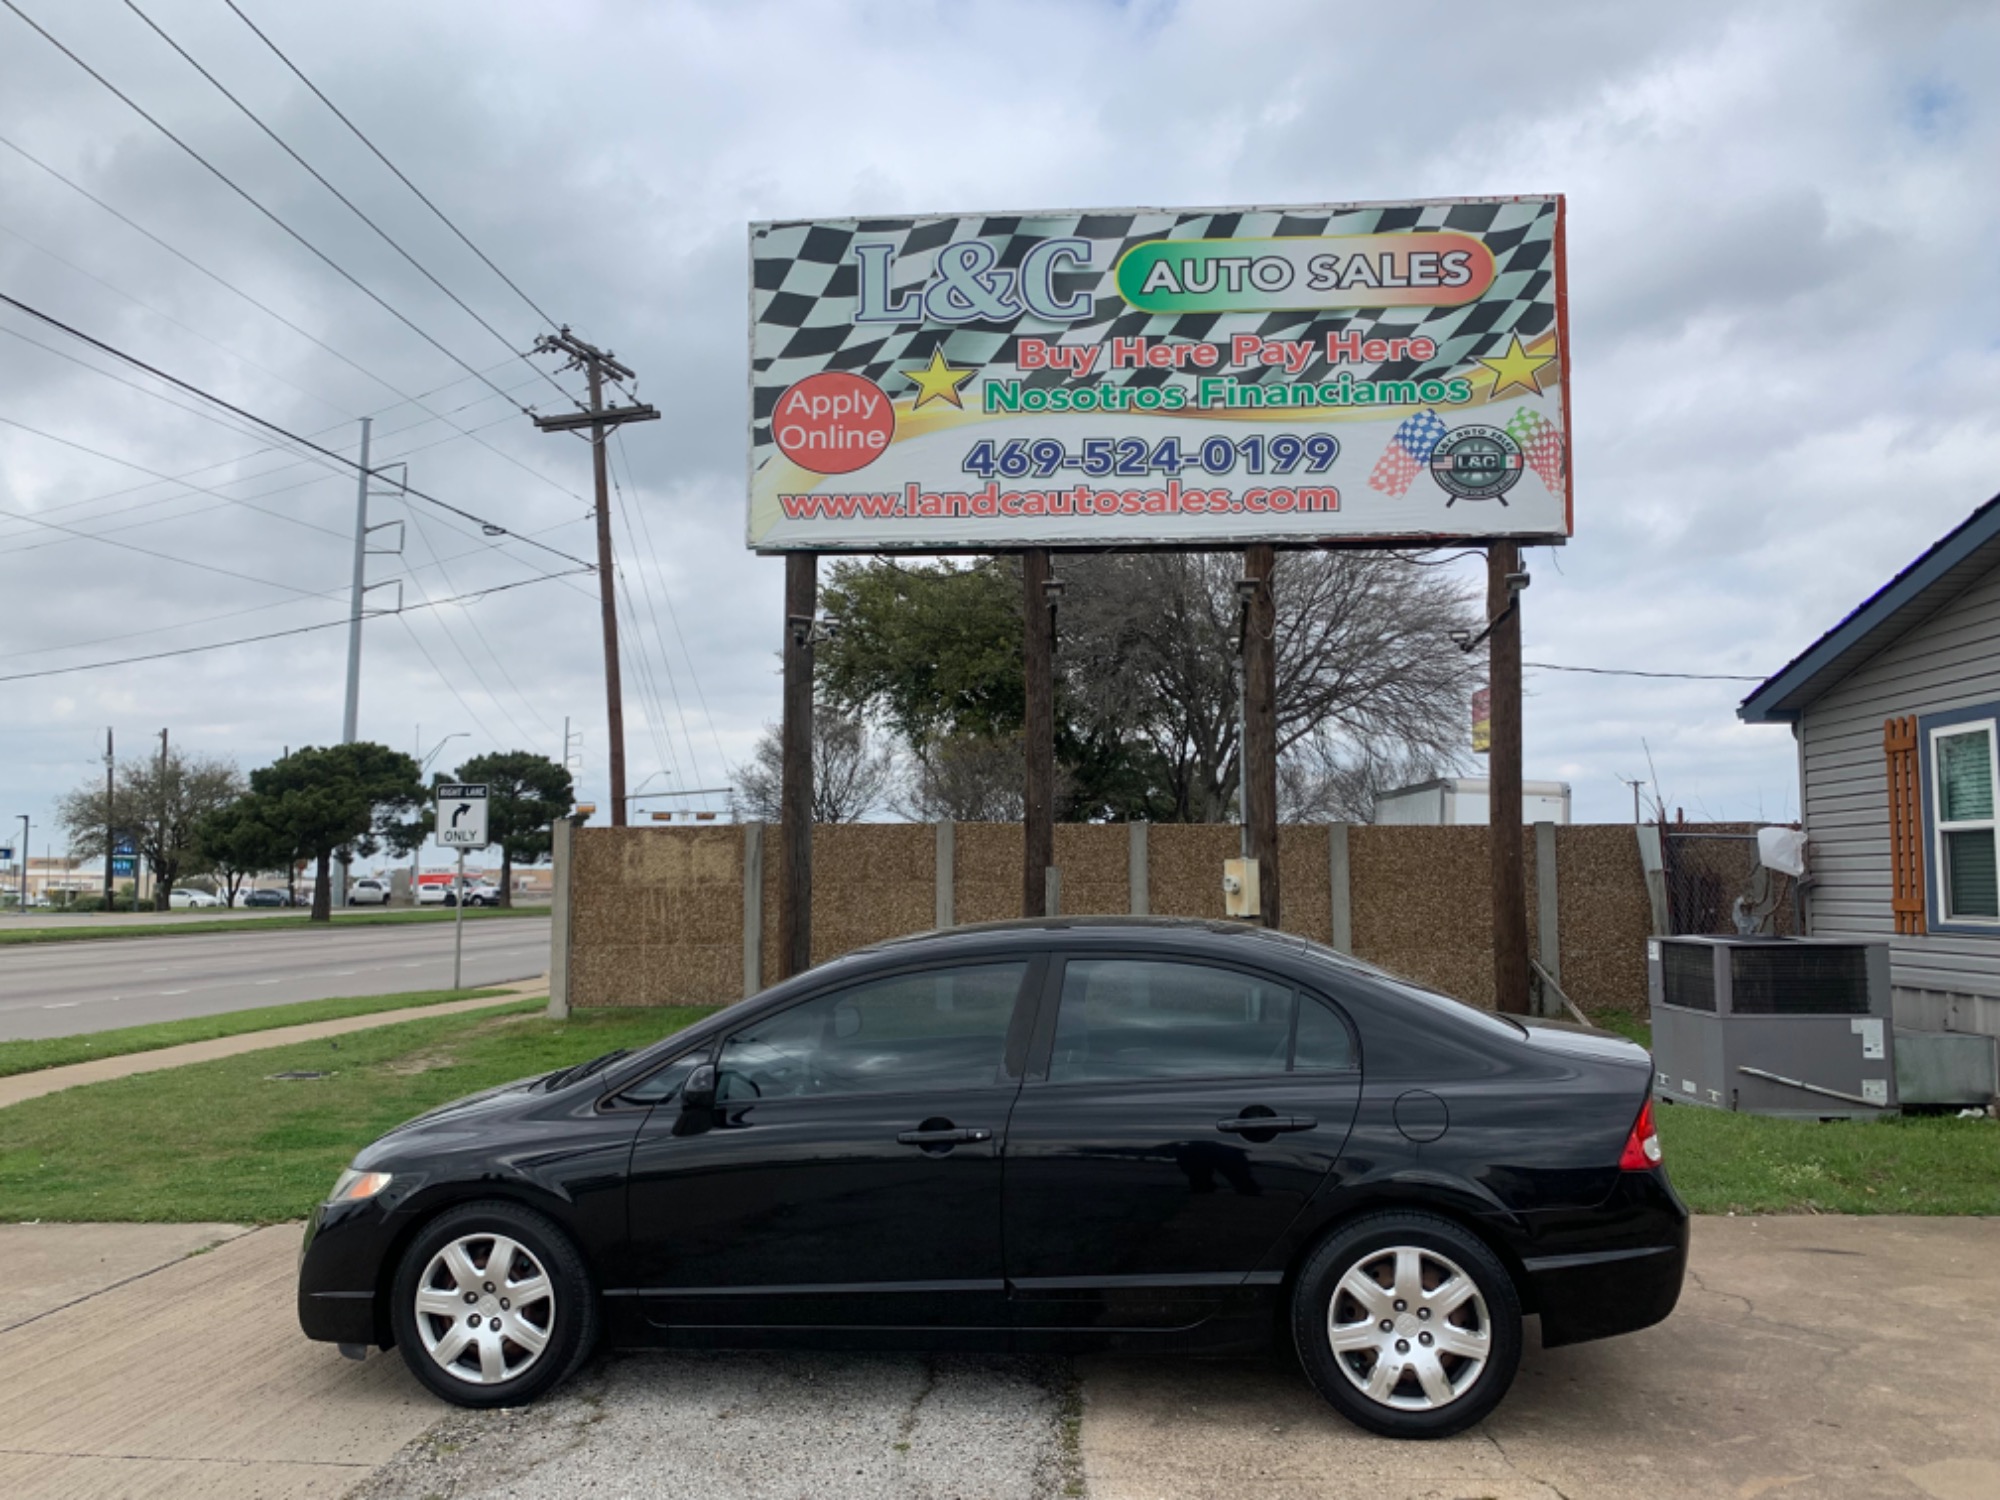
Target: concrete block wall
{"points": [[657, 916]]}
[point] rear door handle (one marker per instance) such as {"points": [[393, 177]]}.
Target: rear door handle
{"points": [[1250, 1124], [943, 1137]]}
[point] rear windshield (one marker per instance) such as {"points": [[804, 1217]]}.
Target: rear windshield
{"points": [[1405, 989]]}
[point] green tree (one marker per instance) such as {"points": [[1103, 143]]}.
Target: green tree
{"points": [[933, 649], [525, 793], [157, 804], [343, 798], [242, 839]]}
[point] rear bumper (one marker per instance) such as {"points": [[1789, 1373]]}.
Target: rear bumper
{"points": [[1632, 1283]]}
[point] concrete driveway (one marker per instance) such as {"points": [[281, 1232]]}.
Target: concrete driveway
{"points": [[1811, 1357]]}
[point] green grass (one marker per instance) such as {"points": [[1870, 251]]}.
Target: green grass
{"points": [[60, 1051], [1632, 1028], [194, 923], [221, 1141], [1731, 1163]]}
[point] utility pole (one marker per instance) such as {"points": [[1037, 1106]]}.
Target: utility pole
{"points": [[110, 820], [1504, 581], [596, 364], [159, 835], [1635, 783], [1259, 770], [795, 791], [24, 866], [1038, 802]]}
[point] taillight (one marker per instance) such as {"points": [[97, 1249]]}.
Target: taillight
{"points": [[1642, 1146]]}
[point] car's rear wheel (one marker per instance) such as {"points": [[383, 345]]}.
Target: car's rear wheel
{"points": [[492, 1305], [1407, 1324]]}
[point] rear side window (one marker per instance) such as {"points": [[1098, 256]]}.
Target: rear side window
{"points": [[1124, 1018], [1324, 1044]]}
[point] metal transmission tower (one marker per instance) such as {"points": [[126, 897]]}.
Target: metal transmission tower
{"points": [[357, 608], [596, 364]]}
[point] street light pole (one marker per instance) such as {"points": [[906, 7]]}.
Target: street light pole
{"points": [[24, 864]]}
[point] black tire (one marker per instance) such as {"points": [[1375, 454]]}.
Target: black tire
{"points": [[571, 1318], [1365, 1246], [451, 901]]}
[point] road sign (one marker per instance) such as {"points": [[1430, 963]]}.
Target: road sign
{"points": [[6, 855], [461, 817]]}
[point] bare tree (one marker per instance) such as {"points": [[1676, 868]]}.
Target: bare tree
{"points": [[851, 777], [964, 778], [1367, 674], [157, 806]]}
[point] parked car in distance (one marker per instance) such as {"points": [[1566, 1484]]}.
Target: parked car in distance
{"points": [[1045, 1135], [263, 897], [181, 898], [368, 891], [444, 893]]}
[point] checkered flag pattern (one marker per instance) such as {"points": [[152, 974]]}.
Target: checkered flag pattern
{"points": [[1541, 445], [1410, 448], [805, 285]]}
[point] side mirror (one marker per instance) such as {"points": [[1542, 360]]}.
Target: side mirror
{"points": [[699, 1090]]}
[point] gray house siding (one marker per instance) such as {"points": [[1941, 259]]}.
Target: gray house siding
{"points": [[1949, 660]]}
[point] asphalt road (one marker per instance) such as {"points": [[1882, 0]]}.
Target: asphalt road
{"points": [[60, 989]]}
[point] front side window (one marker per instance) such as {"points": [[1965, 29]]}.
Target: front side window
{"points": [[1123, 1018], [931, 1031], [1963, 777]]}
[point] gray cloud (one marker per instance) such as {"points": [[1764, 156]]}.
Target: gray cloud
{"points": [[1782, 220]]}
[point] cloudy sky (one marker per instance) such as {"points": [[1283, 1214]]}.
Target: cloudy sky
{"points": [[1784, 224]]}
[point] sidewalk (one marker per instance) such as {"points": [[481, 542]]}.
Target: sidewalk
{"points": [[23, 1086], [166, 1361]]}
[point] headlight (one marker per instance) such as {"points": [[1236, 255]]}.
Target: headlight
{"points": [[355, 1186]]}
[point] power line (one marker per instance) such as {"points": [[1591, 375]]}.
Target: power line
{"points": [[320, 178], [1549, 666], [166, 317], [360, 136], [446, 678], [280, 318], [417, 524], [659, 636], [673, 615], [245, 195], [186, 562], [159, 629], [273, 635], [491, 528]]}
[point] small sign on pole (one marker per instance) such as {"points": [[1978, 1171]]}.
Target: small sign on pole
{"points": [[461, 825], [461, 817]]}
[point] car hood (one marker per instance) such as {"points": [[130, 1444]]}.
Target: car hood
{"points": [[1583, 1041], [459, 1117]]}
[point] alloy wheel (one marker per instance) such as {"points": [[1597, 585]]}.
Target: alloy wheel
{"points": [[1409, 1328], [485, 1309]]}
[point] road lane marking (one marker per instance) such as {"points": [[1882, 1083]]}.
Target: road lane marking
{"points": [[268, 981], [63, 1005], [173, 992]]}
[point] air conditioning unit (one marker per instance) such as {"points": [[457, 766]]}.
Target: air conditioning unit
{"points": [[1799, 1027]]}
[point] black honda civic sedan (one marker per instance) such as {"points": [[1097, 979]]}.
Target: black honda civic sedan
{"points": [[1049, 1135]]}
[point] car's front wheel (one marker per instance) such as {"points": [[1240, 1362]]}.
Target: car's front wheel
{"points": [[1407, 1324], [493, 1305]]}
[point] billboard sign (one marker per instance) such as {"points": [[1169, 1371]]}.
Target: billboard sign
{"points": [[1160, 377]]}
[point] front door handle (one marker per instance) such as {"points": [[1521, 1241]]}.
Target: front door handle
{"points": [[1255, 1124], [953, 1137]]}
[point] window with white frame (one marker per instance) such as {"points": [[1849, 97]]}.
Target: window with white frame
{"points": [[1964, 777]]}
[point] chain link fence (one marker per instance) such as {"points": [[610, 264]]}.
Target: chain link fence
{"points": [[1717, 887]]}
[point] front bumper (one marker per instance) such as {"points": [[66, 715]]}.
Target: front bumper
{"points": [[1629, 1280], [341, 1266]]}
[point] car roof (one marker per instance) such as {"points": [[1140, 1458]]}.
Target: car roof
{"points": [[1091, 929]]}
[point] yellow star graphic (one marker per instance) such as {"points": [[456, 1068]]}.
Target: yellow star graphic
{"points": [[938, 381], [1517, 367]]}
